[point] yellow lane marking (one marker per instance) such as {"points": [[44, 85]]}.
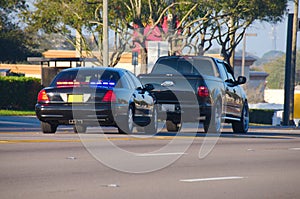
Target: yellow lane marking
{"points": [[19, 133], [259, 136], [138, 138], [34, 141], [11, 141], [96, 139]]}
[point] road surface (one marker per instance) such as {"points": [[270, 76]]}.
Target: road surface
{"points": [[265, 163]]}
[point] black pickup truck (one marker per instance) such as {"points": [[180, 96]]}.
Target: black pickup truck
{"points": [[198, 89]]}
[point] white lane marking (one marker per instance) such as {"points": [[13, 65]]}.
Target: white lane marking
{"points": [[212, 179], [158, 154], [294, 149]]}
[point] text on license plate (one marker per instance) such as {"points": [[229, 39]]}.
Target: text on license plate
{"points": [[75, 98], [168, 107]]}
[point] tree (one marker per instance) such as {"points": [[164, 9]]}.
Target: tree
{"points": [[60, 17], [225, 21], [8, 7], [82, 16], [189, 26], [150, 22], [233, 17], [15, 44], [276, 70], [57, 16]]}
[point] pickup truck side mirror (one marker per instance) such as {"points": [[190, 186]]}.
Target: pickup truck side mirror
{"points": [[241, 80], [148, 87], [230, 81]]}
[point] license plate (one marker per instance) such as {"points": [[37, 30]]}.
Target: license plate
{"points": [[75, 98], [168, 107]]}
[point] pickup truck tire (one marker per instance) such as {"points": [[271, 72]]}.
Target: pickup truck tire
{"points": [[243, 125], [173, 127], [128, 123], [151, 128], [48, 127], [79, 128], [213, 124]]}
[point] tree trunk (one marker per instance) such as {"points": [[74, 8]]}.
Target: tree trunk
{"points": [[78, 44], [144, 58], [232, 42], [231, 59]]}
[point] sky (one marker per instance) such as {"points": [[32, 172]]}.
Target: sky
{"points": [[269, 37]]}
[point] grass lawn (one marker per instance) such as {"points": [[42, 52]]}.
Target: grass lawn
{"points": [[16, 113]]}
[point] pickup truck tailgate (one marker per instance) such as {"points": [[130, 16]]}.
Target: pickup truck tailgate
{"points": [[173, 88]]}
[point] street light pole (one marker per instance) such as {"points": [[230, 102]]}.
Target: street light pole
{"points": [[105, 34], [290, 68], [287, 84], [244, 51]]}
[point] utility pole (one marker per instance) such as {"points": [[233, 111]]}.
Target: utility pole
{"points": [[244, 51], [105, 34], [287, 82], [290, 67]]}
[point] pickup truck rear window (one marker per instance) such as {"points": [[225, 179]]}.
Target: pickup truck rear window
{"points": [[183, 66], [204, 67], [166, 66]]}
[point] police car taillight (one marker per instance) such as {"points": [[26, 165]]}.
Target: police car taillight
{"points": [[109, 96], [42, 96]]}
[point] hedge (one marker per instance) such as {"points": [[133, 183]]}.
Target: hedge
{"points": [[19, 93], [261, 116]]}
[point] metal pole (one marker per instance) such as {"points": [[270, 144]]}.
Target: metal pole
{"points": [[244, 51], [287, 84], [105, 34], [293, 61]]}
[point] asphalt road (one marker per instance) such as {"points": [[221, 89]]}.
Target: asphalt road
{"points": [[265, 163]]}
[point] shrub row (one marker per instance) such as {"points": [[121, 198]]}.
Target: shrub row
{"points": [[19, 93], [261, 116]]}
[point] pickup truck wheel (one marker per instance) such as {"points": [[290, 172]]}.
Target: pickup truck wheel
{"points": [[213, 124], [128, 124], [79, 128], [243, 125], [173, 127], [48, 127], [152, 127]]}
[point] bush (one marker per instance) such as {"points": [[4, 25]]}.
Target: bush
{"points": [[19, 93], [261, 116]]}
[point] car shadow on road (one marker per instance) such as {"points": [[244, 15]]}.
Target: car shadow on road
{"points": [[254, 132]]}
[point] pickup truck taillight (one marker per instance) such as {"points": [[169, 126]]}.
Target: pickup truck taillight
{"points": [[203, 91], [109, 96], [42, 96]]}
